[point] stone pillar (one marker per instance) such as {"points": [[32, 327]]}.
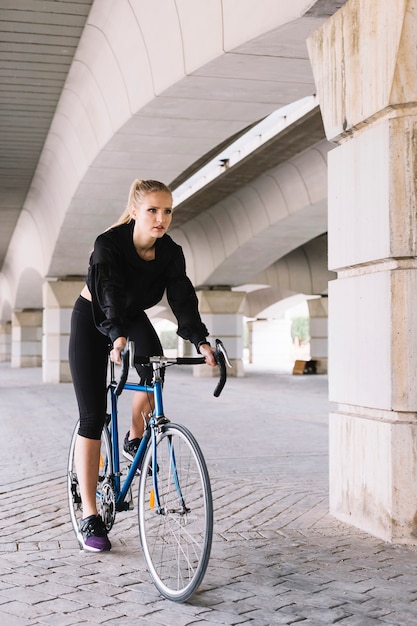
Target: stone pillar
{"points": [[222, 312], [5, 341], [364, 60], [185, 348], [58, 297], [318, 309], [27, 338]]}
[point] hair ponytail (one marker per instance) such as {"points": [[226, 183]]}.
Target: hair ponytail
{"points": [[138, 189]]}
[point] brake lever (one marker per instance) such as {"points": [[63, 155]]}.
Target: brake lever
{"points": [[128, 359], [222, 360], [220, 347]]}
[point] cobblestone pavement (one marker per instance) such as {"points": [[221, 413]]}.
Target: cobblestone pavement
{"points": [[277, 557]]}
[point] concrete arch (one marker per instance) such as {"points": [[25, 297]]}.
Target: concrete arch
{"points": [[149, 91], [147, 94], [250, 230], [29, 290], [22, 279], [303, 271]]}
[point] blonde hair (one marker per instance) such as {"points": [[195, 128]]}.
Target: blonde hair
{"points": [[138, 190]]}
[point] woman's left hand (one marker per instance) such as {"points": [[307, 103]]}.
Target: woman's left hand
{"points": [[119, 344], [207, 351]]}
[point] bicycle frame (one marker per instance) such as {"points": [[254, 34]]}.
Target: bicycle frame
{"points": [[121, 489]]}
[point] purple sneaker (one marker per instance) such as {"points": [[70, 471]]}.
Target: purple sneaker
{"points": [[93, 534]]}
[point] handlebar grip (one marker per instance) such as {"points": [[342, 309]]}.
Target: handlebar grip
{"points": [[191, 360]]}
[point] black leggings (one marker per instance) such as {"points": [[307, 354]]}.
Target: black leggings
{"points": [[88, 358]]}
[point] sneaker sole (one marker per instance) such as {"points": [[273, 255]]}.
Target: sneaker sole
{"points": [[127, 455], [89, 548], [130, 458]]}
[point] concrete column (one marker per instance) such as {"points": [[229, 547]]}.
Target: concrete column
{"points": [[58, 297], [318, 309], [5, 341], [364, 60], [185, 348], [27, 338], [222, 312]]}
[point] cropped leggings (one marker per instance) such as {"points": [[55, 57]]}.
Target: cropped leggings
{"points": [[88, 359]]}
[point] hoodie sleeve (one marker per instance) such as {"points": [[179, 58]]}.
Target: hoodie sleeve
{"points": [[183, 301], [107, 287]]}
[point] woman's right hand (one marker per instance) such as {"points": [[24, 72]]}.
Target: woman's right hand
{"points": [[119, 345], [208, 351]]}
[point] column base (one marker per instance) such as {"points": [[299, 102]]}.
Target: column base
{"points": [[5, 341], [26, 345], [373, 473], [321, 364], [26, 361], [58, 297]]}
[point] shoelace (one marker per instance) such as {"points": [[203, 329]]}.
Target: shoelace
{"points": [[94, 526]]}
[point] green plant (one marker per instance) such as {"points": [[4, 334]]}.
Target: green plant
{"points": [[300, 328]]}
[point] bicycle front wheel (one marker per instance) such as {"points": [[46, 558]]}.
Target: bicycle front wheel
{"points": [[175, 511]]}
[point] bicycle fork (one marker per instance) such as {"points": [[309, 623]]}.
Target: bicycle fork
{"points": [[155, 499]]}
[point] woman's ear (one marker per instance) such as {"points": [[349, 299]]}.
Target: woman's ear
{"points": [[132, 211]]}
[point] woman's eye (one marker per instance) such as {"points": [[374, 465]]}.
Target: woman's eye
{"points": [[168, 211]]}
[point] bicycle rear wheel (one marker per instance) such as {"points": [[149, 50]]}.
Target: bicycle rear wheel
{"points": [[176, 537], [104, 494]]}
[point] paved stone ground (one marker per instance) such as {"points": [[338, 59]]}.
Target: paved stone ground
{"points": [[277, 558]]}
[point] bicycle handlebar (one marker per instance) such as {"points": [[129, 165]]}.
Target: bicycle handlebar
{"points": [[129, 359]]}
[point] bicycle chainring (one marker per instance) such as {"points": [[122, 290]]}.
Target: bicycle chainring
{"points": [[107, 504]]}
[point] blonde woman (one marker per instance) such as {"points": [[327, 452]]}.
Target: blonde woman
{"points": [[132, 265]]}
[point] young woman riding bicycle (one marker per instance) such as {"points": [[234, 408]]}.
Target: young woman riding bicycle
{"points": [[132, 265]]}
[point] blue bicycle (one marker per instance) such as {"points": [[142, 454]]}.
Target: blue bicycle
{"points": [[175, 506]]}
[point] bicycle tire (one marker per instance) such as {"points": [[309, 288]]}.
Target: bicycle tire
{"points": [[104, 494], [176, 541]]}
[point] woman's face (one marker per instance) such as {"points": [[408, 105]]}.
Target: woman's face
{"points": [[153, 215]]}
